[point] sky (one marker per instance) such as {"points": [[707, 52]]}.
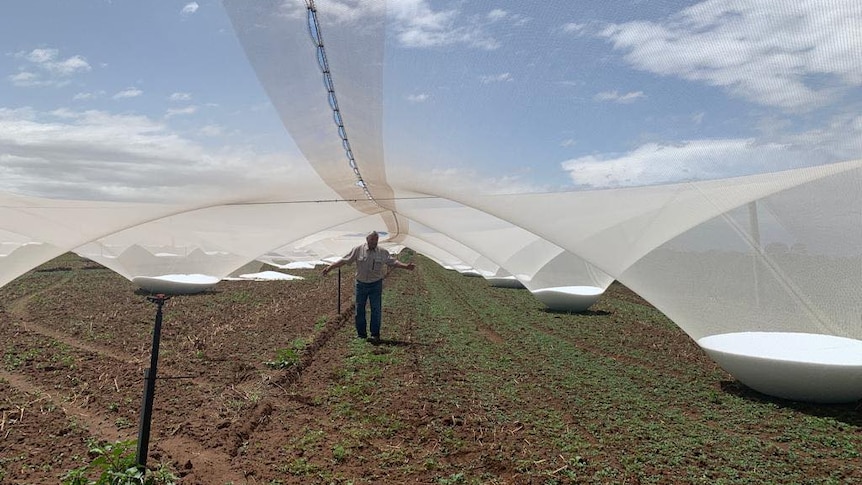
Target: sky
{"points": [[125, 100]]}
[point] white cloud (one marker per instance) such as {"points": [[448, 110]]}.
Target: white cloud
{"points": [[570, 84], [415, 23], [497, 14], [25, 79], [46, 68], [471, 181], [791, 56], [97, 155], [418, 25], [47, 59], [653, 163], [418, 98], [574, 28], [40, 56], [496, 78], [64, 113], [69, 66], [338, 11], [17, 114], [615, 97], [128, 93], [568, 142], [190, 8], [188, 110], [83, 96], [180, 97]]}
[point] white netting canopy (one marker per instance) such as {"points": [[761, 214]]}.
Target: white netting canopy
{"points": [[707, 154]]}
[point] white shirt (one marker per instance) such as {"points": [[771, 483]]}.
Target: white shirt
{"points": [[369, 263]]}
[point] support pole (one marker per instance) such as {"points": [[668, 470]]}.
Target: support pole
{"points": [[339, 291], [150, 386]]}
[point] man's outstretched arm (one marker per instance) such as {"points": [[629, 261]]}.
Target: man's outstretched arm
{"points": [[334, 265], [399, 264]]}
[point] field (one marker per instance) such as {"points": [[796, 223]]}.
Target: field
{"points": [[264, 383]]}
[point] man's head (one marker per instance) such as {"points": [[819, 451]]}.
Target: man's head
{"points": [[371, 239]]}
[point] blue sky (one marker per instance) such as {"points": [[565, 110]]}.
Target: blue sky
{"points": [[512, 95], [626, 94], [165, 60], [102, 99]]}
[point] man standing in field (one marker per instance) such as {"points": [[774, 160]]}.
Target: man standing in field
{"points": [[370, 261]]}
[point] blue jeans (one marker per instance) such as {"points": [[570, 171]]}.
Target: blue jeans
{"points": [[374, 293]]}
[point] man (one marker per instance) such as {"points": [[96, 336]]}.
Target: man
{"points": [[370, 261]]}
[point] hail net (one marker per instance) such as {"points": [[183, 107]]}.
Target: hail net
{"points": [[428, 133]]}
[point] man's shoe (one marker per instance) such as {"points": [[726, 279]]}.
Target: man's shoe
{"points": [[375, 339], [363, 337]]}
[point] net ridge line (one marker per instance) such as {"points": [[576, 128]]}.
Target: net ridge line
{"points": [[338, 119], [323, 62], [271, 202], [318, 201]]}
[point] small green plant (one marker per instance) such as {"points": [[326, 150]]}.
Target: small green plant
{"points": [[241, 297], [320, 323], [452, 479], [307, 441], [114, 464], [300, 467], [284, 358], [339, 453], [288, 357], [123, 423], [163, 475], [14, 360]]}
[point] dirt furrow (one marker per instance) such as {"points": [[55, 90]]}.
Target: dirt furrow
{"points": [[223, 455], [18, 310], [473, 311], [97, 425]]}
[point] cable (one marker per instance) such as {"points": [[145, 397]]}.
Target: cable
{"points": [[315, 201]]}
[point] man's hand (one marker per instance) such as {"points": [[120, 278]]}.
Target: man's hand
{"points": [[326, 270], [410, 266]]}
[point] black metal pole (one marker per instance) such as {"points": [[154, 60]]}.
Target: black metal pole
{"points": [[339, 291], [150, 386]]}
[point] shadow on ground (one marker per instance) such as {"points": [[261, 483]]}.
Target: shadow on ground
{"points": [[848, 413]]}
